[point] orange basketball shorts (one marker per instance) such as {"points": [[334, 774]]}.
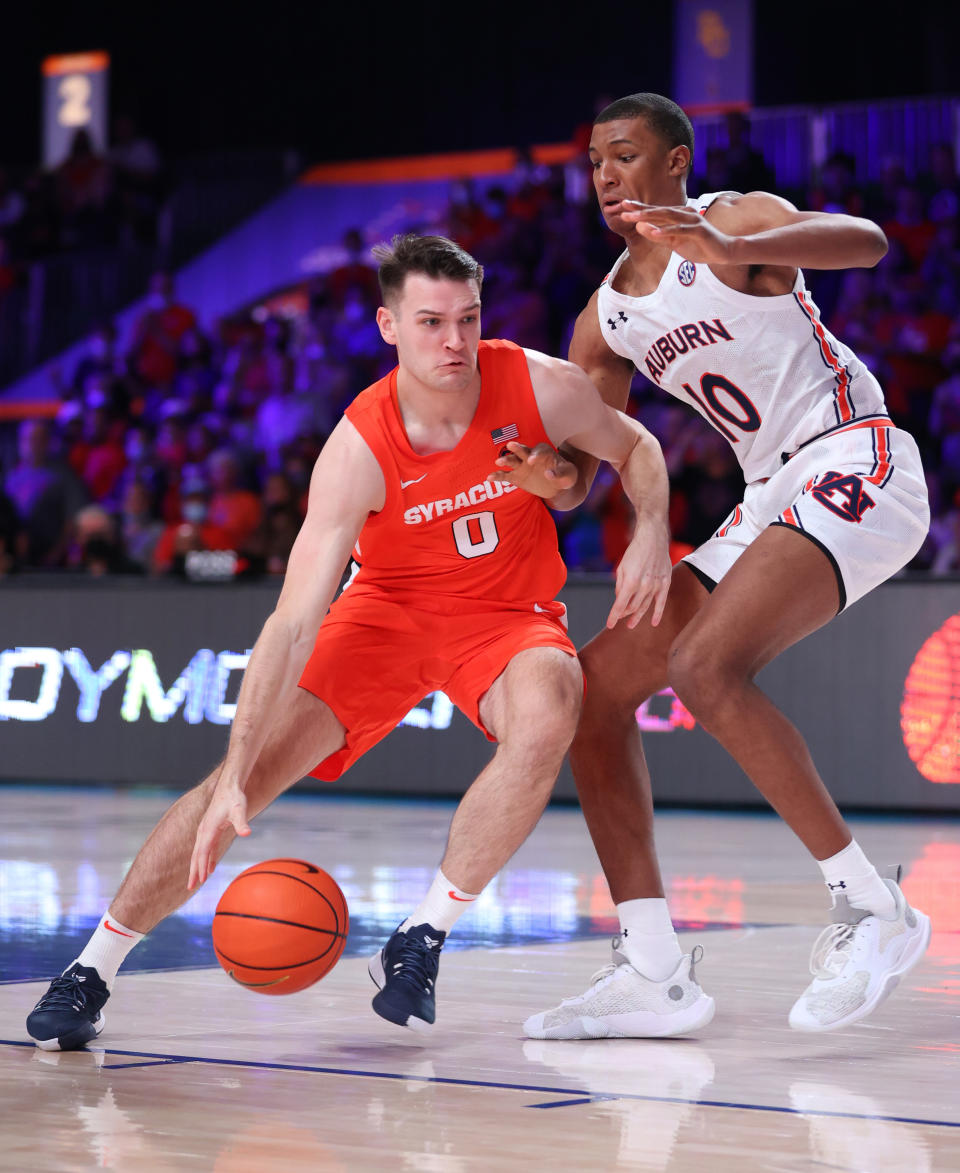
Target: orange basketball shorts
{"points": [[376, 656]]}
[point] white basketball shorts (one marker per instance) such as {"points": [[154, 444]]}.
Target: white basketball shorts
{"points": [[857, 492]]}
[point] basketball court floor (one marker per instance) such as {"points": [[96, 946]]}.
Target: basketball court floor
{"points": [[194, 1072]]}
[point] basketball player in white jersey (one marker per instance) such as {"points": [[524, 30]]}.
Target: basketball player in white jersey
{"points": [[708, 300]]}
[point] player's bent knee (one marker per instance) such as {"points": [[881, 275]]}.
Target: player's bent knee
{"points": [[702, 679], [611, 691], [543, 719]]}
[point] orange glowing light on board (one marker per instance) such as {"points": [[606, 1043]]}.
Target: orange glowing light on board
{"points": [[930, 713]]}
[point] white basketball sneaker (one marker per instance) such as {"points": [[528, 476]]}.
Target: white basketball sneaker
{"points": [[857, 961], [623, 1004]]}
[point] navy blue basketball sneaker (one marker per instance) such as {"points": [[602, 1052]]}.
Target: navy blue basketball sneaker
{"points": [[70, 1013], [405, 970]]}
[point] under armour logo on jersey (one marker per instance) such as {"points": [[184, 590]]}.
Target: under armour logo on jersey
{"points": [[621, 317], [842, 884], [687, 273]]}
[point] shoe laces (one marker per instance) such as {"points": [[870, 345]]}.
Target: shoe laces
{"points": [[416, 963], [831, 950], [69, 990], [606, 971]]}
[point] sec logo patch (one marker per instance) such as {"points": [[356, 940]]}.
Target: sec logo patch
{"points": [[687, 273]]}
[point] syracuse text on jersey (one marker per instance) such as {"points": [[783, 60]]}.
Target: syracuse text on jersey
{"points": [[486, 491]]}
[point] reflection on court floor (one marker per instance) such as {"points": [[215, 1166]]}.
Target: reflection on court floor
{"points": [[194, 1072]]}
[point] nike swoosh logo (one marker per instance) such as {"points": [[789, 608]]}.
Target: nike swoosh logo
{"points": [[407, 484], [464, 899], [119, 932]]}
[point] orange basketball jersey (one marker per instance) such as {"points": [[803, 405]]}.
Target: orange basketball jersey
{"points": [[445, 533]]}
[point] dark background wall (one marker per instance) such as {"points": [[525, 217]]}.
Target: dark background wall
{"points": [[349, 81]]}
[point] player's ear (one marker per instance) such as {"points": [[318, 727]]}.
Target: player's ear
{"points": [[385, 322], [678, 161]]}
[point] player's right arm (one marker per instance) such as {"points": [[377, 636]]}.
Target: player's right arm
{"points": [[611, 375], [347, 484]]}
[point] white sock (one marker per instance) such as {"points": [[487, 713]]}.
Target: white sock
{"points": [[107, 948], [442, 906], [849, 873], [648, 939]]}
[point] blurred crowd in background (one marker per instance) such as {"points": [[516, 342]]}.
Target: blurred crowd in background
{"points": [[186, 438]]}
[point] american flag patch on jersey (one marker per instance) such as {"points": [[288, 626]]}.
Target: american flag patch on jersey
{"points": [[502, 435]]}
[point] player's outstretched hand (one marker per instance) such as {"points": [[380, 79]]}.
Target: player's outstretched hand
{"points": [[643, 577], [540, 470], [227, 809], [683, 229]]}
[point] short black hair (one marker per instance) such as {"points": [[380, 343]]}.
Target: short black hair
{"points": [[663, 116], [433, 256]]}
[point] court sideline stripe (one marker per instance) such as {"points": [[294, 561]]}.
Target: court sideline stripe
{"points": [[583, 1094]]}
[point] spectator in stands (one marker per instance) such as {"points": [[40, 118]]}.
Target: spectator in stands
{"points": [[908, 224], [942, 186], [837, 190], [84, 188], [140, 528], [518, 310], [269, 548], [881, 198], [157, 334], [285, 415], [100, 357], [45, 494], [105, 456], [192, 531], [71, 436], [746, 168], [142, 464], [855, 316], [317, 373], [913, 335], [715, 170], [96, 548], [136, 165], [236, 510], [356, 272], [941, 270], [467, 221]]}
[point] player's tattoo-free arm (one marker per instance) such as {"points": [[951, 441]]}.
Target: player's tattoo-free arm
{"points": [[762, 229], [346, 485], [572, 411]]}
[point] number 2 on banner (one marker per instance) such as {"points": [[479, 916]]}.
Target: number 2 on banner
{"points": [[75, 90], [473, 541]]}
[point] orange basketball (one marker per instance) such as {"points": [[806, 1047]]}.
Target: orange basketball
{"points": [[280, 926]]}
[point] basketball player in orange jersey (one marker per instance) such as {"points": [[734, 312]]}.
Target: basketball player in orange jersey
{"points": [[708, 299], [454, 588]]}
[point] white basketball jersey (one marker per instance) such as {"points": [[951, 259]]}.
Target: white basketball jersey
{"points": [[763, 371]]}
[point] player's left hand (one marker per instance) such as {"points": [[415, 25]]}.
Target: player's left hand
{"points": [[540, 470], [683, 229], [643, 576], [227, 811]]}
